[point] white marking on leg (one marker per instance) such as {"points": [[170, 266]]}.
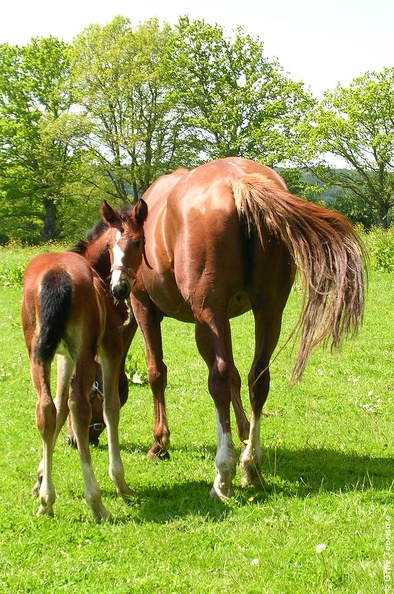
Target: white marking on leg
{"points": [[92, 493], [251, 458], [225, 463]]}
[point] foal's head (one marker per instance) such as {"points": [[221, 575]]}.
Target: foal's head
{"points": [[126, 245]]}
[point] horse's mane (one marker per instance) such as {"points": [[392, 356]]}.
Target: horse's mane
{"points": [[92, 235]]}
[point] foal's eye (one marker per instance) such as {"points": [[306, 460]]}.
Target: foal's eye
{"points": [[137, 244]]}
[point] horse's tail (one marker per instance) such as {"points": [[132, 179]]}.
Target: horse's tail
{"points": [[56, 292], [327, 252]]}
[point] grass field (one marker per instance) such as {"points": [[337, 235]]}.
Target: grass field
{"points": [[328, 462]]}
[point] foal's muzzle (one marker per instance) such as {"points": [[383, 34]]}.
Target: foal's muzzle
{"points": [[122, 289]]}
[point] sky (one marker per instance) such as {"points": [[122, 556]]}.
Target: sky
{"points": [[320, 43]]}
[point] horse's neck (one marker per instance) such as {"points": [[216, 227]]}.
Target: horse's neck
{"points": [[97, 255]]}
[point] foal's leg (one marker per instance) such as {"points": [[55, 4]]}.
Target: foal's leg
{"points": [[65, 366], [110, 367], [46, 423], [80, 411], [210, 339]]}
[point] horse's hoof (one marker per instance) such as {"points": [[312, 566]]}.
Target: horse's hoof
{"points": [[224, 494], [253, 477], [125, 491], [157, 453], [128, 496], [103, 517], [72, 441], [44, 510]]}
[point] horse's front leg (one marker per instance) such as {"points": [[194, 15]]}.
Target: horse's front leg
{"points": [[80, 411], [110, 367], [46, 423], [149, 319]]}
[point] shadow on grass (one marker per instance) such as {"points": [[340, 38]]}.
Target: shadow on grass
{"points": [[170, 503], [311, 471], [288, 473]]}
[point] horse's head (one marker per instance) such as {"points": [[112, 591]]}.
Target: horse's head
{"points": [[126, 244]]}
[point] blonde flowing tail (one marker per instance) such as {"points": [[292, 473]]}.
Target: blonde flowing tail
{"points": [[325, 248]]}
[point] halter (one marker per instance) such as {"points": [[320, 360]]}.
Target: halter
{"points": [[130, 272], [95, 425], [127, 271]]}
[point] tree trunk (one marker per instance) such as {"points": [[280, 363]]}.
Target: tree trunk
{"points": [[49, 231]]}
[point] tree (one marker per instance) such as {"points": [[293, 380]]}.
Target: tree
{"points": [[38, 155], [234, 100], [123, 93], [357, 125]]}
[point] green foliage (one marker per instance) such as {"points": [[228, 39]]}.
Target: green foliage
{"points": [[356, 125], [39, 155], [105, 116], [380, 244], [12, 276], [122, 90], [235, 101]]}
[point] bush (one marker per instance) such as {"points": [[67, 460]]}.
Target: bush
{"points": [[12, 276], [380, 244]]}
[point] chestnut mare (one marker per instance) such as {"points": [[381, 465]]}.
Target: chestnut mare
{"points": [[67, 309], [225, 238]]}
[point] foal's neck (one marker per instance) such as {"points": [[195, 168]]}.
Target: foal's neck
{"points": [[97, 254]]}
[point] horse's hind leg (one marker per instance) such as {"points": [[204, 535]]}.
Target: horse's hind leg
{"points": [[46, 424], [243, 424], [80, 414], [267, 329], [216, 351]]}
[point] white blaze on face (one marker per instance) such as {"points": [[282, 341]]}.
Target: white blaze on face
{"points": [[118, 256]]}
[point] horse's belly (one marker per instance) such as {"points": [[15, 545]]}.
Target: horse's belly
{"points": [[183, 311]]}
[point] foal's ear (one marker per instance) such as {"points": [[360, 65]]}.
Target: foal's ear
{"points": [[140, 211], [108, 213]]}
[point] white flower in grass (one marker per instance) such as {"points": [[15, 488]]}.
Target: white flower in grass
{"points": [[320, 548]]}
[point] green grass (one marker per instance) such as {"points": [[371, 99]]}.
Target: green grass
{"points": [[328, 462]]}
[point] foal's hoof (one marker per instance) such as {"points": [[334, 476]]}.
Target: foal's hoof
{"points": [[103, 516], [157, 453]]}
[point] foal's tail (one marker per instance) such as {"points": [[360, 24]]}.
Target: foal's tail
{"points": [[55, 303], [327, 252]]}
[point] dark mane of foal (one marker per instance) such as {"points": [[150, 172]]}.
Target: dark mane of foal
{"points": [[99, 228], [92, 235]]}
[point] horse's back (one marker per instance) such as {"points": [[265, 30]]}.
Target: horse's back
{"points": [[195, 240]]}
